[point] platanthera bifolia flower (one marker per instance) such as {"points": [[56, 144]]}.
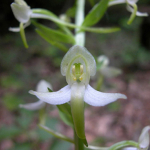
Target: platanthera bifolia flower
{"points": [[78, 65], [131, 7], [104, 69], [42, 86], [143, 140], [22, 13]]}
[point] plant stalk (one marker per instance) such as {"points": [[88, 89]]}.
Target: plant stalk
{"points": [[80, 40]]}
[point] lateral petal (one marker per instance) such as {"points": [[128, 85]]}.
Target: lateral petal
{"points": [[55, 98], [33, 106], [144, 138], [96, 98]]}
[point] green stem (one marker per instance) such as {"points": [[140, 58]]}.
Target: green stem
{"points": [[56, 134], [99, 83], [80, 40], [78, 142], [80, 36]]}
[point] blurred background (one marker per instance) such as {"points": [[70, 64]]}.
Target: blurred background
{"points": [[21, 69]]}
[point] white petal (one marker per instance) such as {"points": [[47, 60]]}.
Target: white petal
{"points": [[130, 148], [110, 72], [21, 12], [96, 98], [33, 106], [42, 86], [55, 98], [17, 29], [130, 9], [144, 138], [104, 60]]}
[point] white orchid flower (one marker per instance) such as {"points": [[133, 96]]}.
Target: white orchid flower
{"points": [[42, 86], [104, 69], [22, 13], [78, 65], [131, 7], [143, 140]]}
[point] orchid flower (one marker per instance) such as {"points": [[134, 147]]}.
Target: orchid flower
{"points": [[143, 140], [78, 65], [22, 13], [131, 7], [42, 86], [104, 69]]}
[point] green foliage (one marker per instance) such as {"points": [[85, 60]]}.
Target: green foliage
{"points": [[54, 34], [11, 101], [96, 13], [60, 144], [65, 114], [9, 132]]}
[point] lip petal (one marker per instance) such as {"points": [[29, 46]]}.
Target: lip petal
{"points": [[55, 98], [96, 98]]}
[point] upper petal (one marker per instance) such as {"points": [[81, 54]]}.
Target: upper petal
{"points": [[55, 98], [33, 106], [21, 12], [42, 86], [96, 98]]}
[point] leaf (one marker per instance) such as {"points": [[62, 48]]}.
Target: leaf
{"points": [[65, 114], [54, 34], [96, 13], [54, 43]]}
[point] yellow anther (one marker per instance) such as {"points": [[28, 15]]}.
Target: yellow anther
{"points": [[80, 78], [81, 69], [74, 78]]}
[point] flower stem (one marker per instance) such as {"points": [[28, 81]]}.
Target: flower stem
{"points": [[80, 36], [78, 142], [80, 40]]}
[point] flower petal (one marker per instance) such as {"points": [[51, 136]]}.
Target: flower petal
{"points": [[144, 138], [42, 86], [21, 12], [130, 9], [17, 29], [96, 98], [130, 148], [33, 106], [110, 72], [55, 98]]}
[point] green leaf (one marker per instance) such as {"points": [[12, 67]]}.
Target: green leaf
{"points": [[96, 13], [65, 114], [53, 34], [54, 43]]}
